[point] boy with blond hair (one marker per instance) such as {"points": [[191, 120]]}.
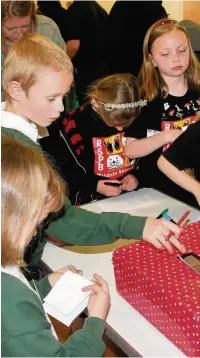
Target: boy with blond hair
{"points": [[37, 75]]}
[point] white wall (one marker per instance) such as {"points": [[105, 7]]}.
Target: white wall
{"points": [[174, 9]]}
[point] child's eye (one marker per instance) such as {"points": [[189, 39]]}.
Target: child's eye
{"points": [[51, 99], [164, 54], [182, 50]]}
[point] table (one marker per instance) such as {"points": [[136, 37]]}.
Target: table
{"points": [[125, 326]]}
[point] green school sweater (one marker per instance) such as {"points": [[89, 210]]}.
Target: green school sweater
{"points": [[25, 331], [78, 226]]}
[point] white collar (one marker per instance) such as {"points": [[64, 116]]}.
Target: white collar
{"points": [[13, 121], [15, 271]]}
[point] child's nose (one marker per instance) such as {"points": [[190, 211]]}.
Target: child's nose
{"points": [[60, 106], [175, 57], [18, 33]]}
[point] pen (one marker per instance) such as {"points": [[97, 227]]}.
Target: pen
{"points": [[163, 213], [165, 216], [179, 223]]}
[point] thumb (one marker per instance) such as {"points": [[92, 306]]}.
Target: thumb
{"points": [[94, 288]]}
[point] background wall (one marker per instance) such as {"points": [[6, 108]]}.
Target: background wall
{"points": [[191, 11]]}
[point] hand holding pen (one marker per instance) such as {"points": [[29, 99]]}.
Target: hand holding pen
{"points": [[163, 232], [157, 230], [179, 223]]}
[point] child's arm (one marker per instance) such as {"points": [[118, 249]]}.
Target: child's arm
{"points": [[137, 148], [180, 177]]}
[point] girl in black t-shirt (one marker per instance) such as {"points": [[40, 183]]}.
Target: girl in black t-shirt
{"points": [[184, 154], [97, 133], [170, 81]]}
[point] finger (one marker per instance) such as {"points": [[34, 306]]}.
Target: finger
{"points": [[114, 181], [80, 272], [67, 268], [178, 244], [172, 227], [130, 187], [157, 244], [101, 281], [94, 288], [166, 244], [114, 191], [164, 231], [72, 268]]}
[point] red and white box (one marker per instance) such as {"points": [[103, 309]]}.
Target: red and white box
{"points": [[163, 289]]}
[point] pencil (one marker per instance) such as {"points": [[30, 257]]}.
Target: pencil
{"points": [[182, 219]]}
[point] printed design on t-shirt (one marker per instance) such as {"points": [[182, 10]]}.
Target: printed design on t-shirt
{"points": [[181, 124], [173, 111], [110, 160], [179, 115]]}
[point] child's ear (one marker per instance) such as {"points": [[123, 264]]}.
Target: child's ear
{"points": [[94, 103], [15, 90], [152, 60]]}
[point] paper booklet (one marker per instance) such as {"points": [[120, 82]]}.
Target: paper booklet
{"points": [[66, 300]]}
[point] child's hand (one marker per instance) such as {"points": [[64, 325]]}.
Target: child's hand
{"points": [[156, 232], [197, 196], [196, 191], [99, 299], [55, 276], [109, 190], [171, 135], [129, 182]]}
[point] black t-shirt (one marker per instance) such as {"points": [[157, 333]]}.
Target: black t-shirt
{"points": [[160, 114], [104, 155], [184, 153], [127, 24], [85, 22]]}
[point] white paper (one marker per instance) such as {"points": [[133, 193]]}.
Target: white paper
{"points": [[66, 300]]}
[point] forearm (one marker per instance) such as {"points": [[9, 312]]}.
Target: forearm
{"points": [[137, 148], [82, 227], [180, 177], [43, 287], [72, 48]]}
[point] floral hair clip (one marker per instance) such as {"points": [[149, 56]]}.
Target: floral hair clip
{"points": [[110, 106]]}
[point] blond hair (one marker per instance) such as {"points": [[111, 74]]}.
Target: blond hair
{"points": [[19, 9], [29, 183], [149, 78], [116, 89], [28, 57]]}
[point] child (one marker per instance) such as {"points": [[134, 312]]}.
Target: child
{"points": [[101, 127], [184, 153], [171, 83], [26, 330], [18, 18], [37, 74]]}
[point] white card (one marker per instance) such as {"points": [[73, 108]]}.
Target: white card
{"points": [[66, 300]]}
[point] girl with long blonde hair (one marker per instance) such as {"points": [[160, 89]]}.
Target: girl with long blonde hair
{"points": [[30, 191], [170, 82]]}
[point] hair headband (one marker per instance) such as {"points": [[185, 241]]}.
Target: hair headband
{"points": [[160, 23], [110, 106], [163, 22]]}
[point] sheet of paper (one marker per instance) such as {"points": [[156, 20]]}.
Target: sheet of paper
{"points": [[66, 300]]}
